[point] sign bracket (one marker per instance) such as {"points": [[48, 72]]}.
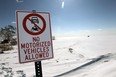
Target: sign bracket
{"points": [[33, 11]]}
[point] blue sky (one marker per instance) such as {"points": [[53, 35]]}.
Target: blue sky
{"points": [[67, 16]]}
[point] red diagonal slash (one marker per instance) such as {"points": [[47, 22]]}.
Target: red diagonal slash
{"points": [[35, 24]]}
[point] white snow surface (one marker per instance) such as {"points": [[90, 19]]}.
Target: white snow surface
{"points": [[84, 49]]}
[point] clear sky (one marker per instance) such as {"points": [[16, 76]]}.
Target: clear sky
{"points": [[67, 16]]}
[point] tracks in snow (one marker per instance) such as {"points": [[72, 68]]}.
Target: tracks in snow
{"points": [[86, 65]]}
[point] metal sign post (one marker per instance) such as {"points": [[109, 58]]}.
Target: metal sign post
{"points": [[38, 69], [38, 66]]}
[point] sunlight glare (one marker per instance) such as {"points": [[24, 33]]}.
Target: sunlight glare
{"points": [[63, 4]]}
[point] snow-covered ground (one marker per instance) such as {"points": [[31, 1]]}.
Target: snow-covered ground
{"points": [[78, 56]]}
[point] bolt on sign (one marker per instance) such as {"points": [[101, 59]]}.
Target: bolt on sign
{"points": [[34, 36]]}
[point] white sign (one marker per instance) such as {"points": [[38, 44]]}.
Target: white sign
{"points": [[34, 36]]}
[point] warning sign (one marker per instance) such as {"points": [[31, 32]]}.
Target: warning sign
{"points": [[34, 36]]}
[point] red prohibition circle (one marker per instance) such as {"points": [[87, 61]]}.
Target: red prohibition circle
{"points": [[30, 32]]}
